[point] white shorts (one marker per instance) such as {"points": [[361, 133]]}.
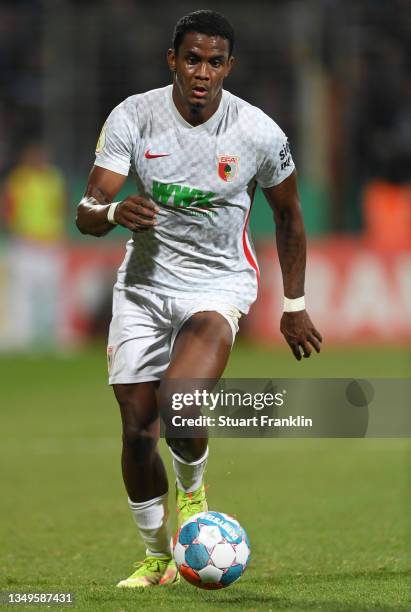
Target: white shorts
{"points": [[144, 327]]}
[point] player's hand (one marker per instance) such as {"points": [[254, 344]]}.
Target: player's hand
{"points": [[136, 213], [300, 333]]}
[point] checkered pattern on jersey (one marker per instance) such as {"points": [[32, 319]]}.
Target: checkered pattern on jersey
{"points": [[203, 178]]}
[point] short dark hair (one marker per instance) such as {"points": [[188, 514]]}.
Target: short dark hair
{"points": [[204, 22]]}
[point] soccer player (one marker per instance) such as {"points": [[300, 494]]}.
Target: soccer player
{"points": [[196, 153]]}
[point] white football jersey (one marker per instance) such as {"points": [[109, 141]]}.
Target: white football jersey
{"points": [[203, 178]]}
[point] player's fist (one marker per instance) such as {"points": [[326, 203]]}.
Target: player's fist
{"points": [[300, 333], [137, 213]]}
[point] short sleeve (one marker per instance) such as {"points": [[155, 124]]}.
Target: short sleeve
{"points": [[117, 140], [274, 159]]}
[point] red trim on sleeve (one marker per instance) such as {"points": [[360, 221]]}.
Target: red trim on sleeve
{"points": [[247, 252]]}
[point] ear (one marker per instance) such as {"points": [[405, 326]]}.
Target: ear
{"points": [[171, 59], [229, 65]]}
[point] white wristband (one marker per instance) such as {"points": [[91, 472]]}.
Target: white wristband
{"points": [[294, 305], [111, 211]]}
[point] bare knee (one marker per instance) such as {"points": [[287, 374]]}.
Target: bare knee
{"points": [[189, 449], [139, 441]]}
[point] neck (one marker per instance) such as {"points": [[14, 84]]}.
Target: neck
{"points": [[195, 115]]}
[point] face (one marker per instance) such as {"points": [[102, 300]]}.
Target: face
{"points": [[200, 67]]}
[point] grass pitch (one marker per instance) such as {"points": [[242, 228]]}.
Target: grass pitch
{"points": [[328, 520]]}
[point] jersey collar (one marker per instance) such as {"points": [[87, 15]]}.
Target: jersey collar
{"points": [[207, 125]]}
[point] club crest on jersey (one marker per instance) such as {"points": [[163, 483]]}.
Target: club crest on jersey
{"points": [[227, 167]]}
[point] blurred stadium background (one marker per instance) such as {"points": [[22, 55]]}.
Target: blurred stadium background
{"points": [[335, 74]]}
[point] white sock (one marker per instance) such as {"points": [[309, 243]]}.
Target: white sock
{"points": [[189, 475], [151, 519]]}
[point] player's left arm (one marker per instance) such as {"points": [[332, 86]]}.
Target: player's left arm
{"points": [[296, 327]]}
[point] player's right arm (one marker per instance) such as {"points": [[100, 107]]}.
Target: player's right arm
{"points": [[135, 212], [114, 152]]}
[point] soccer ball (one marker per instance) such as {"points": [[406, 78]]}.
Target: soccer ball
{"points": [[211, 550]]}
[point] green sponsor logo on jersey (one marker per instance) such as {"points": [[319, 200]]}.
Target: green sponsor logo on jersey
{"points": [[181, 195]]}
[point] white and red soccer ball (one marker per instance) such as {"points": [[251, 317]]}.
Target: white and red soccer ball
{"points": [[211, 550]]}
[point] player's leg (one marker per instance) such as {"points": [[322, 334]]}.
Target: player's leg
{"points": [[201, 351], [138, 354], [144, 474], [146, 483]]}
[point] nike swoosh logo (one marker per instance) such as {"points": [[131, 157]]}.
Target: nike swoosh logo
{"points": [[149, 155]]}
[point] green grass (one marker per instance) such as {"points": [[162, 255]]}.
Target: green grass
{"points": [[328, 520], [366, 362]]}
